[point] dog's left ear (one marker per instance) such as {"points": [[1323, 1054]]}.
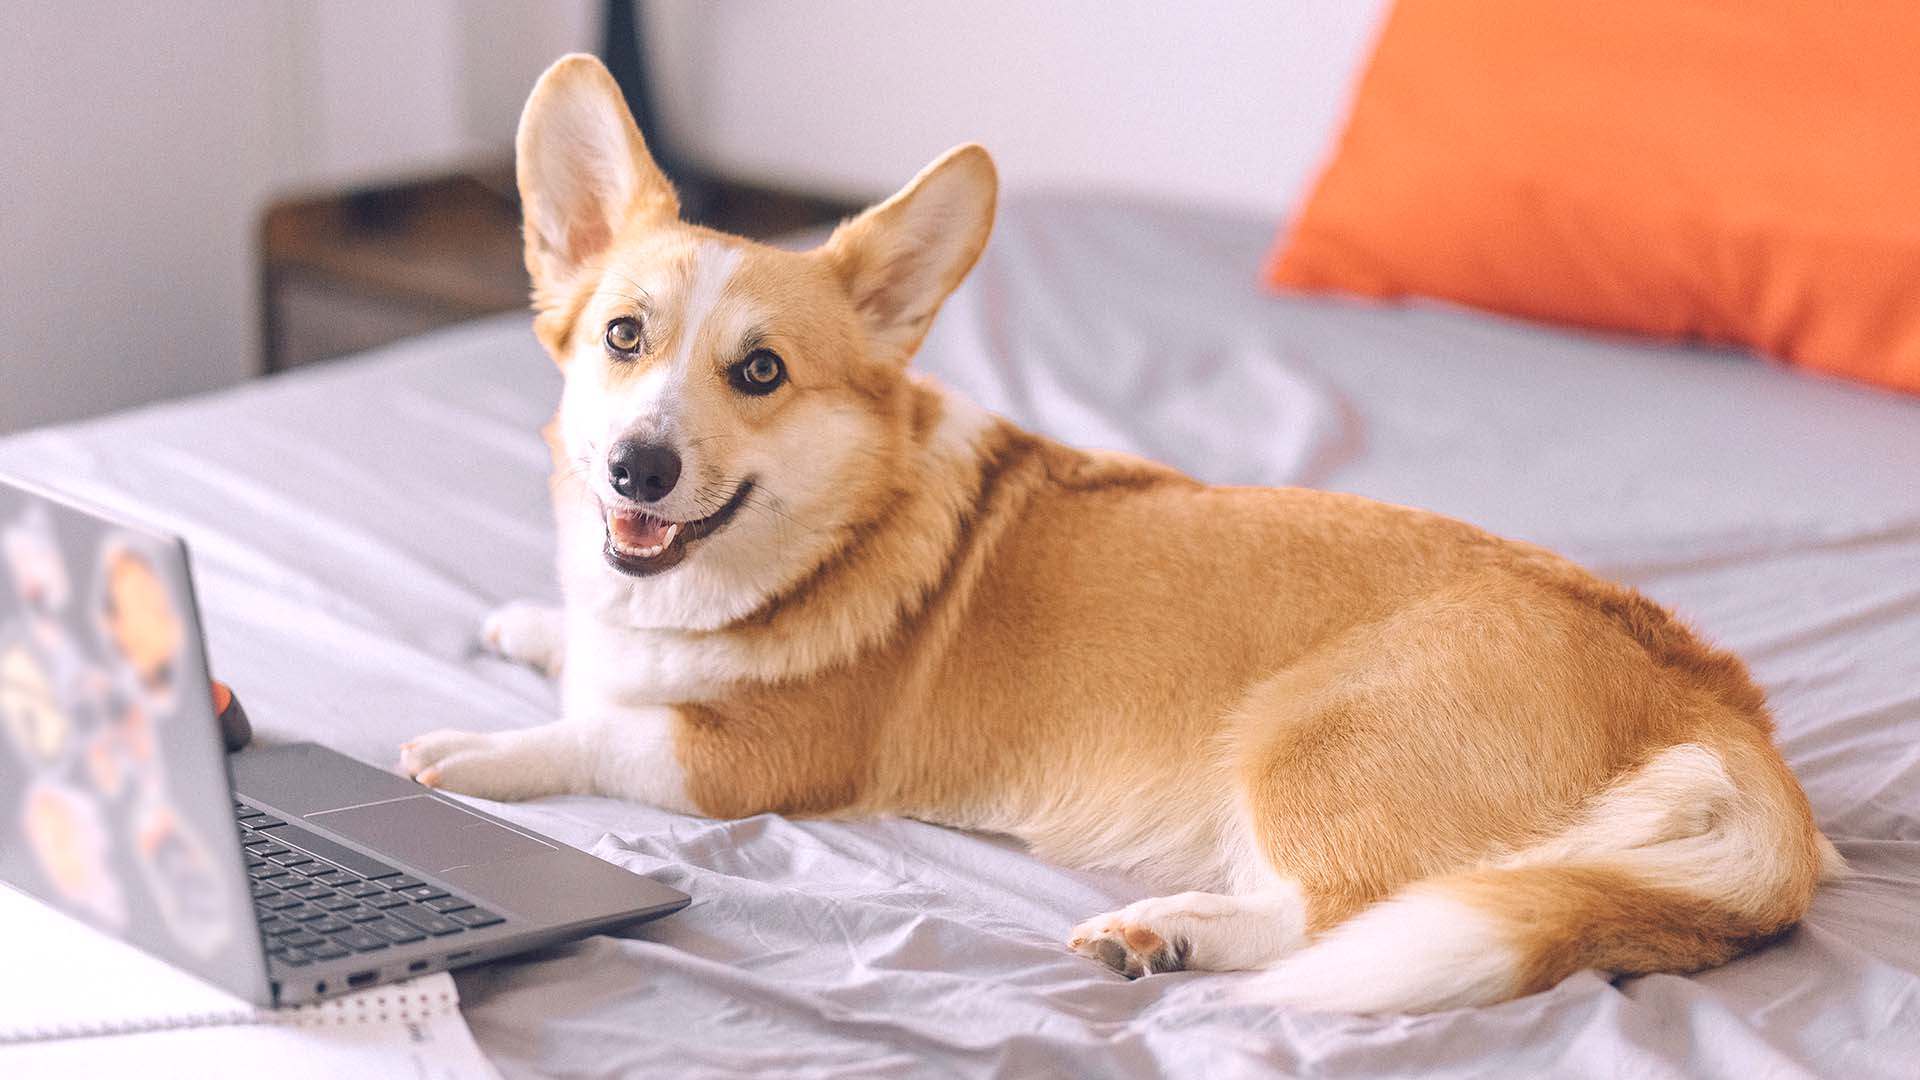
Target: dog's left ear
{"points": [[901, 259], [584, 172]]}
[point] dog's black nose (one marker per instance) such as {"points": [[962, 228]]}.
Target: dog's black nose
{"points": [[644, 471]]}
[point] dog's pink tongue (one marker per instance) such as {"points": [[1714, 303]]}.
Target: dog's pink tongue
{"points": [[637, 530]]}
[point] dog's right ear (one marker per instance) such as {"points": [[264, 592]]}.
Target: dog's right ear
{"points": [[584, 173]]}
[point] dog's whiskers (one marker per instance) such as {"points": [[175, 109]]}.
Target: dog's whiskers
{"points": [[766, 504]]}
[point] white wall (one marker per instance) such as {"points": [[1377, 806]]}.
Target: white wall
{"points": [[132, 158], [141, 140], [1226, 103], [381, 89]]}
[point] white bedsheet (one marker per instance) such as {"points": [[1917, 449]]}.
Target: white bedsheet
{"points": [[352, 524]]}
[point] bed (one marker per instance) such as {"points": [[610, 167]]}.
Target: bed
{"points": [[352, 524]]}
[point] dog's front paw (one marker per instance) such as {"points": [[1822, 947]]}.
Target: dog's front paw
{"points": [[531, 634], [495, 766]]}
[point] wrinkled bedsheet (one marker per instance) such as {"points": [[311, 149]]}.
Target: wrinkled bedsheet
{"points": [[351, 525]]}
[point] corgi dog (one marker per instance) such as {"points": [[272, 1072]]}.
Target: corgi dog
{"points": [[1384, 759]]}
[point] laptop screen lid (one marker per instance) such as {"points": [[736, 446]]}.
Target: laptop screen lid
{"points": [[115, 803]]}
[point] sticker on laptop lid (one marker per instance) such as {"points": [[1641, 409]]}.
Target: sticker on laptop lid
{"points": [[30, 709], [180, 873], [69, 839], [140, 622]]}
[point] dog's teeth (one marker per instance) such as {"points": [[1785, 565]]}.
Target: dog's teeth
{"points": [[667, 538]]}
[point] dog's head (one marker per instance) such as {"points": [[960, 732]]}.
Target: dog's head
{"points": [[729, 407]]}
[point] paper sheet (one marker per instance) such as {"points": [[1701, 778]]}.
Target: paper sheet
{"points": [[66, 979]]}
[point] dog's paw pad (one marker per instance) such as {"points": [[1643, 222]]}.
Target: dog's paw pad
{"points": [[1132, 949]]}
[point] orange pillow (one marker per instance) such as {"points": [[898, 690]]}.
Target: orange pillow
{"points": [[1734, 171]]}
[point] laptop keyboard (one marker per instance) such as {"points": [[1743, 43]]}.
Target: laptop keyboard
{"points": [[320, 900]]}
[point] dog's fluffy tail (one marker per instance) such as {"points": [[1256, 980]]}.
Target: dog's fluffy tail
{"points": [[1673, 868]]}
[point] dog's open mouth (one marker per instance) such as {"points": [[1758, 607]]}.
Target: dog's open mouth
{"points": [[639, 543]]}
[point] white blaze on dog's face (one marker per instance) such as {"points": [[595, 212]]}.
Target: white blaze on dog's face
{"points": [[731, 410]]}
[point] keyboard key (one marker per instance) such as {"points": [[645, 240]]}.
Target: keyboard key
{"points": [[360, 914], [262, 890], [268, 851], [386, 900], [276, 925], [265, 821], [336, 878], [254, 862], [257, 841], [289, 858], [278, 902], [332, 924], [397, 933], [403, 882], [313, 869], [303, 913], [362, 888], [421, 892], [274, 948], [335, 902], [242, 810], [327, 950], [307, 890], [295, 958], [426, 921], [473, 918], [360, 940], [339, 854], [444, 904], [302, 938]]}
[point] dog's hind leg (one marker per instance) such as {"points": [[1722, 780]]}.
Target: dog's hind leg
{"points": [[528, 633]]}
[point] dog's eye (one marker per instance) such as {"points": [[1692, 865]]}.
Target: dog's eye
{"points": [[623, 336], [760, 373]]}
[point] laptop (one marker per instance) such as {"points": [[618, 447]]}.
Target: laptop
{"points": [[281, 873]]}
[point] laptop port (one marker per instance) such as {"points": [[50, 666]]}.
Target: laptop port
{"points": [[416, 966], [362, 978]]}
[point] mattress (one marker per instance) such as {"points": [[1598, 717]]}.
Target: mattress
{"points": [[352, 524]]}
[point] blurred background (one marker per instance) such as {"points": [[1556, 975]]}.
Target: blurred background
{"points": [[199, 192]]}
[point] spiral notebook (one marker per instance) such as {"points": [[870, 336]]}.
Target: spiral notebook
{"points": [[76, 1002]]}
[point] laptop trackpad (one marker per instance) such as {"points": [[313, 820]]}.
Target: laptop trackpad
{"points": [[428, 834]]}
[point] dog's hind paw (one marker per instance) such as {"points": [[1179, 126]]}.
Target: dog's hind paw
{"points": [[527, 633], [1196, 931], [1132, 949]]}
